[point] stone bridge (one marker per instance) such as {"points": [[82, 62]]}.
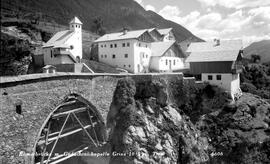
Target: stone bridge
{"points": [[33, 105]]}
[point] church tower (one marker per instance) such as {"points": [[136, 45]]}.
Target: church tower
{"points": [[75, 25]]}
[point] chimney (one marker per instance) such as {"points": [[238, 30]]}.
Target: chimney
{"points": [[216, 42], [125, 30]]}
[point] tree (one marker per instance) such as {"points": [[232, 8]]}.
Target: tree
{"points": [[256, 58], [98, 26]]}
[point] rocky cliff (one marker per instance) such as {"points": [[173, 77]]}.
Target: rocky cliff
{"points": [[146, 128], [239, 132], [151, 123], [15, 55]]}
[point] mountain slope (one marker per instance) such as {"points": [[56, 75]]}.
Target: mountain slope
{"points": [[115, 14], [261, 48]]}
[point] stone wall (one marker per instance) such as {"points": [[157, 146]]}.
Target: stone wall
{"points": [[18, 133], [39, 94]]}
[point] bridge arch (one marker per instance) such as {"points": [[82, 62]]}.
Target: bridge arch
{"points": [[74, 126]]}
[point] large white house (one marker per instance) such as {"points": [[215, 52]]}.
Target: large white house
{"points": [[65, 47], [218, 63], [141, 50], [130, 50]]}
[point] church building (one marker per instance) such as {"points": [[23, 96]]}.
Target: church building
{"points": [[65, 47]]}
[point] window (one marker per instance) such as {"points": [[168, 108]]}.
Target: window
{"points": [[72, 26], [101, 56], [124, 45], [124, 65], [104, 45], [129, 66], [128, 44], [115, 45], [105, 56], [51, 53], [146, 56], [126, 55], [143, 55], [101, 46], [146, 46], [166, 61], [218, 77], [111, 46], [210, 77], [139, 44], [173, 62], [113, 56]]}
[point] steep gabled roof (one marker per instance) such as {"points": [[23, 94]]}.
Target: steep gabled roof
{"points": [[213, 56], [227, 50], [121, 36], [159, 48], [165, 31], [225, 45], [75, 20], [59, 38]]}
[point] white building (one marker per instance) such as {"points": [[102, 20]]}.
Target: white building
{"points": [[167, 34], [163, 35], [142, 50], [166, 57], [130, 50], [218, 63], [65, 47]]}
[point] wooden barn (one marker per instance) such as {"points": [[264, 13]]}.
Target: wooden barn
{"points": [[217, 62]]}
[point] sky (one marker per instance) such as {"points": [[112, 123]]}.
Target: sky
{"points": [[248, 20]]}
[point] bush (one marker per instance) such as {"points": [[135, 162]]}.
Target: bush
{"points": [[248, 87], [255, 79]]}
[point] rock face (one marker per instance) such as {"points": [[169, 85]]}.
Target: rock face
{"points": [[17, 50], [145, 128], [239, 133]]}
